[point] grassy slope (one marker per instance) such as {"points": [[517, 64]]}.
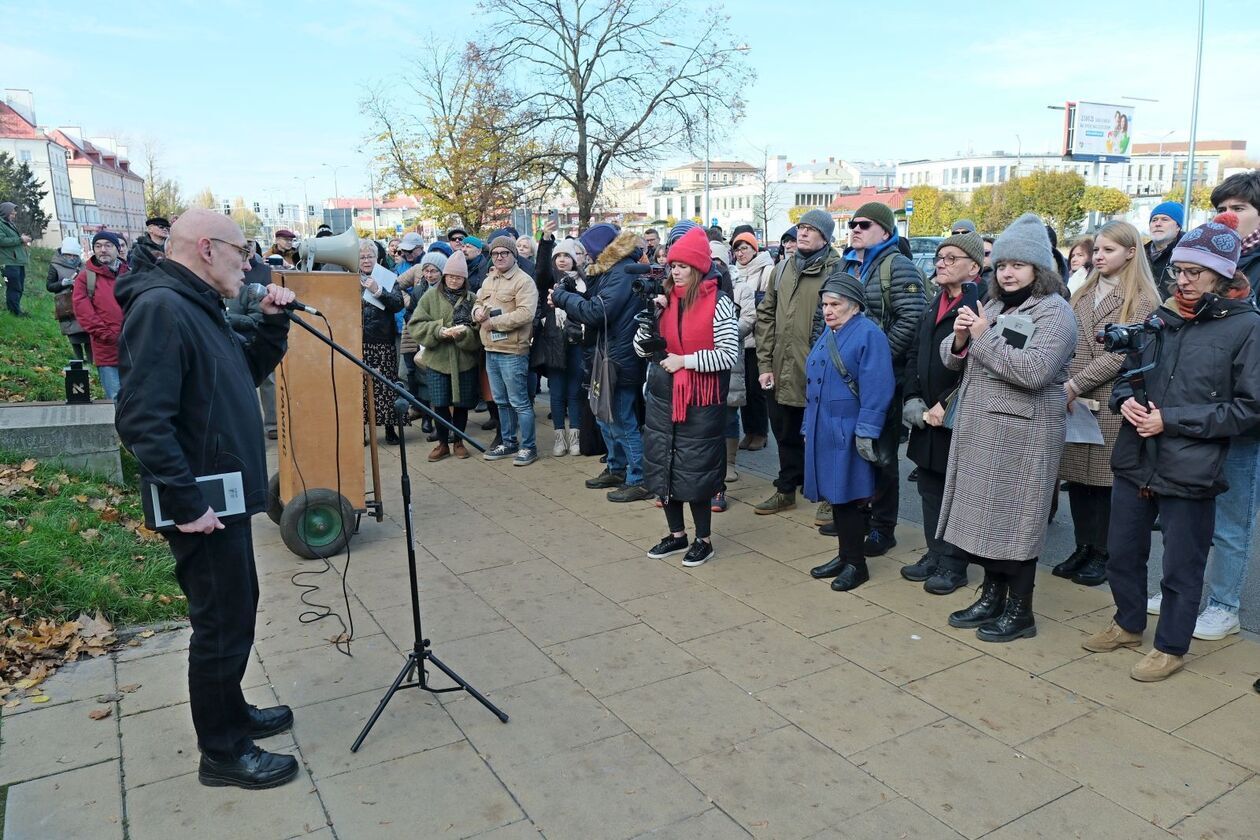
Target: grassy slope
{"points": [[32, 350]]}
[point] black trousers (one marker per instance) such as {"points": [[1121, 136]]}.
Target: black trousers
{"points": [[887, 498], [217, 573], [700, 513], [851, 520], [931, 493], [785, 421], [754, 413], [1020, 576], [456, 417], [1091, 513], [1187, 529], [15, 284]]}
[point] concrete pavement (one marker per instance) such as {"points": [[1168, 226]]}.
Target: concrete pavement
{"points": [[736, 699]]}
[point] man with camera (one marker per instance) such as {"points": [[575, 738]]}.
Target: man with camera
{"points": [[609, 312], [188, 409], [1190, 383]]}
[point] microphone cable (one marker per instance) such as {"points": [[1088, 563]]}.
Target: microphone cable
{"points": [[317, 611]]}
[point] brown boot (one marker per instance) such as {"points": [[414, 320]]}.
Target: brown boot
{"points": [[439, 452], [459, 450], [1112, 638], [732, 447], [1156, 666], [756, 442], [744, 441]]}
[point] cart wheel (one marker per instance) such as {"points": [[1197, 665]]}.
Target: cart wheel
{"points": [[275, 507], [317, 523]]}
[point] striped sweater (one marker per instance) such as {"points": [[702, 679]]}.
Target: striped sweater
{"points": [[725, 341]]}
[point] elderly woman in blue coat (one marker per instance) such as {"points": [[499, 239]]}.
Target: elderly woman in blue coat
{"points": [[848, 389]]}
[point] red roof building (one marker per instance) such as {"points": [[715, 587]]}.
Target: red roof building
{"points": [[26, 143]]}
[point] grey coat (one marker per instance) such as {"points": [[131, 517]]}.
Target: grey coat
{"points": [[1008, 434], [746, 303]]}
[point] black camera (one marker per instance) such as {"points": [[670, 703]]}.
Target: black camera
{"points": [[1126, 338], [649, 284]]}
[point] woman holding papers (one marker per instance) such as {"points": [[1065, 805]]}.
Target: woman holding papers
{"points": [[381, 299], [1120, 290]]}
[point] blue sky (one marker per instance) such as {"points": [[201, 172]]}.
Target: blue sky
{"points": [[242, 97]]}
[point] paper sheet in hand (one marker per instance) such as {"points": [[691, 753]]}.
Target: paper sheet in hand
{"points": [[1082, 427]]}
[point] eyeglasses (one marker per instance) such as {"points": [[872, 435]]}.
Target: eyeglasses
{"points": [[500, 253], [1193, 273], [243, 250], [949, 259], [862, 225]]}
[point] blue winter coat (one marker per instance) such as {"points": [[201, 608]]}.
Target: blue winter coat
{"points": [[834, 417]]}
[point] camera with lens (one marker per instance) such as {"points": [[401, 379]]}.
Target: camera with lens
{"points": [[648, 285], [1126, 338]]}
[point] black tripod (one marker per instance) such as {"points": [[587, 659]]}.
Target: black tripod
{"points": [[413, 673]]}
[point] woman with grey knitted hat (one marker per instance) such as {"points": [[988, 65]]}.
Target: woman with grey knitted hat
{"points": [[1009, 428]]}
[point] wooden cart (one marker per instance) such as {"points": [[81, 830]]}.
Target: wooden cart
{"points": [[319, 494]]}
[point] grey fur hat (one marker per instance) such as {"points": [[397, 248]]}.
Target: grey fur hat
{"points": [[1025, 240]]}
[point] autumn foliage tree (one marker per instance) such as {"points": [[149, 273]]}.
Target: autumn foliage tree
{"points": [[465, 146], [1108, 201], [1200, 197], [19, 185], [934, 211]]}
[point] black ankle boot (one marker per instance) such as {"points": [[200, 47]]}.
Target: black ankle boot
{"points": [[829, 569], [987, 607], [1073, 564], [1093, 572], [853, 575], [1015, 622]]}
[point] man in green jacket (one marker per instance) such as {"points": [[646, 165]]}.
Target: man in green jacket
{"points": [[15, 254], [785, 329]]}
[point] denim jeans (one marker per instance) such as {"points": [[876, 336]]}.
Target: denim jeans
{"points": [[109, 380], [625, 446], [564, 389], [732, 422], [509, 383], [1235, 524]]}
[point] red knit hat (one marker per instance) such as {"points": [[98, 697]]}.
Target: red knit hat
{"points": [[692, 249]]}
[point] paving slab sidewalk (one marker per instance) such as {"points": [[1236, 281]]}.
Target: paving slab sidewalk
{"points": [[736, 699]]}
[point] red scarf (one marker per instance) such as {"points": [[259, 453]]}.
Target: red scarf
{"points": [[1188, 309], [688, 333]]}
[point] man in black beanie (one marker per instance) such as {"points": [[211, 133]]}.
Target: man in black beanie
{"points": [[895, 298]]}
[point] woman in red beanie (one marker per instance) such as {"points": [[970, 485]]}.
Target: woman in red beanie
{"points": [[684, 454]]}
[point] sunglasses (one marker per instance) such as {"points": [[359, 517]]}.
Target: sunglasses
{"points": [[862, 225], [959, 231]]}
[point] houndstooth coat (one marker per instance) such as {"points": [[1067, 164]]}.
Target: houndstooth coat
{"points": [[1008, 434], [1092, 372]]}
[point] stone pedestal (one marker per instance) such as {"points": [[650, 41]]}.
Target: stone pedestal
{"points": [[80, 437]]}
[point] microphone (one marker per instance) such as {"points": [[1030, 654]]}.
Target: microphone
{"points": [[257, 291]]}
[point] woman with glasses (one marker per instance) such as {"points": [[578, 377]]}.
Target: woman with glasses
{"points": [[383, 298], [929, 386], [1008, 433], [1203, 388], [1119, 290]]}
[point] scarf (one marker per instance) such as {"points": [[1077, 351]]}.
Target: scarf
{"points": [[453, 297], [1251, 242], [1011, 300], [687, 331], [1188, 309], [805, 259]]}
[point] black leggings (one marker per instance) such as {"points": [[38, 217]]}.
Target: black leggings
{"points": [[459, 419], [700, 513], [851, 520], [1091, 513]]}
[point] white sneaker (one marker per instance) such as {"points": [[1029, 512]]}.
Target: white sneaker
{"points": [[561, 446], [1153, 603], [1215, 623], [575, 448]]}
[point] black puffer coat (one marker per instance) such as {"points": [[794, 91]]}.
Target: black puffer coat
{"points": [[927, 378], [1207, 388], [906, 299], [680, 460]]}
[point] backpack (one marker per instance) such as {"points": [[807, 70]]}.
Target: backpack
{"points": [[885, 290]]}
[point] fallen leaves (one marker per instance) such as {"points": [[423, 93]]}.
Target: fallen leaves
{"points": [[29, 654], [101, 713]]}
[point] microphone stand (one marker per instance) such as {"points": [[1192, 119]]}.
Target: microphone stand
{"points": [[413, 673]]}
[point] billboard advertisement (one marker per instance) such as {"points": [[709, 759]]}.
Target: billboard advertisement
{"points": [[1098, 132]]}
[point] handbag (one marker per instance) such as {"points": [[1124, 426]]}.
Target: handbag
{"points": [[603, 380], [885, 455], [63, 305]]}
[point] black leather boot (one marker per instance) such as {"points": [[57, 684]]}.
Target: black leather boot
{"points": [[922, 569], [987, 607], [1073, 564], [257, 769], [1095, 571], [829, 569], [1015, 622]]}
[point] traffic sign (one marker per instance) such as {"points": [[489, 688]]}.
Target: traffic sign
{"points": [[397, 228], [909, 205]]}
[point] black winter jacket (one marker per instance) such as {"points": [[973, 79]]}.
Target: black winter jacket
{"points": [[1207, 388], [906, 297], [610, 302], [477, 271], [146, 254], [188, 405], [379, 325], [928, 379], [1249, 264], [1159, 265]]}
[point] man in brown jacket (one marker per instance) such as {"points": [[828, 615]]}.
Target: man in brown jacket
{"points": [[505, 308], [785, 335]]}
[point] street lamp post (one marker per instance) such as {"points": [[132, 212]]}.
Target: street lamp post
{"points": [[306, 223], [739, 48], [1194, 119], [336, 191]]}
